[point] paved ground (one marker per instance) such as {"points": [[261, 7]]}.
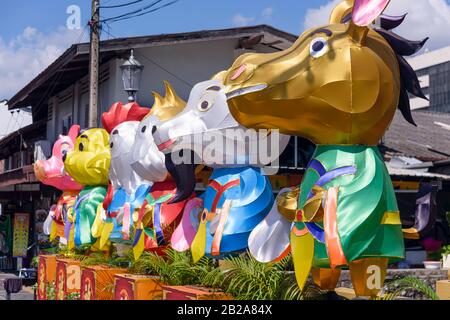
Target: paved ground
{"points": [[25, 294]]}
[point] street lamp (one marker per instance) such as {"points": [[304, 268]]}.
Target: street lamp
{"points": [[131, 76]]}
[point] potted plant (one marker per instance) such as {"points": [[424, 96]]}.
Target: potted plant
{"points": [[97, 276], [170, 275], [446, 257], [188, 281]]}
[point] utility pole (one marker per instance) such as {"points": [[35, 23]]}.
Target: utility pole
{"points": [[94, 63]]}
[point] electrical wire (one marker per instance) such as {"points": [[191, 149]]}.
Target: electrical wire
{"points": [[121, 5], [147, 12], [151, 5]]}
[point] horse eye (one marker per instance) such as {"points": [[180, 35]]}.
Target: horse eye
{"points": [[111, 145], [318, 47], [144, 128], [81, 147]]}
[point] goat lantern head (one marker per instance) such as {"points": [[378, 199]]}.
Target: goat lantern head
{"points": [[338, 84], [207, 129], [147, 160], [51, 171]]}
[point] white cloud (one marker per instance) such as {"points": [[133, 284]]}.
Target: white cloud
{"points": [[239, 20], [29, 53], [267, 13], [426, 18]]}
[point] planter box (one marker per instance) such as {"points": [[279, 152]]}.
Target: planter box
{"points": [[137, 287], [443, 289], [46, 274], [326, 279], [68, 277], [192, 293], [97, 282]]}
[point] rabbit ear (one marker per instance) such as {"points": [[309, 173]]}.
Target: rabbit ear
{"points": [[73, 132], [366, 11]]}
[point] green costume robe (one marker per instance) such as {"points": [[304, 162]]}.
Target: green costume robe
{"points": [[367, 216], [85, 212]]}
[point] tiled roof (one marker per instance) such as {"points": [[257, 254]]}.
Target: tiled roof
{"points": [[429, 141]]}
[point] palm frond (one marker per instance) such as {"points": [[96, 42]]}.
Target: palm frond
{"points": [[397, 286]]}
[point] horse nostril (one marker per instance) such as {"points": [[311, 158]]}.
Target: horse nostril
{"points": [[154, 129]]}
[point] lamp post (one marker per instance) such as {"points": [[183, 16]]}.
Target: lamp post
{"points": [[131, 76]]}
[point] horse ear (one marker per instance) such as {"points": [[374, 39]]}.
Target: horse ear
{"points": [[341, 11], [364, 13], [74, 132], [367, 11]]}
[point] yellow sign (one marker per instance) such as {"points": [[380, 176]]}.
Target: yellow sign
{"points": [[20, 240]]}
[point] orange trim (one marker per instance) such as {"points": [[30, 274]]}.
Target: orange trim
{"points": [[332, 240], [220, 190], [300, 233], [215, 247], [283, 255]]}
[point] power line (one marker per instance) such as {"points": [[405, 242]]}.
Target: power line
{"points": [[121, 5], [133, 12], [140, 12], [147, 12]]}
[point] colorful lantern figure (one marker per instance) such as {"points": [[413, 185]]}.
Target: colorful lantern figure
{"points": [[127, 189], [160, 212], [89, 165], [51, 172], [339, 86], [238, 197]]}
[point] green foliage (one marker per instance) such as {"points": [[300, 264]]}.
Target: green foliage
{"points": [[177, 268], [397, 286], [35, 262], [248, 279], [446, 250], [73, 296], [99, 258], [244, 277], [51, 291]]}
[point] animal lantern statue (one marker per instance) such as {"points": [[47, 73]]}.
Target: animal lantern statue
{"points": [[51, 172], [161, 210], [238, 196], [127, 190], [339, 86], [88, 164]]}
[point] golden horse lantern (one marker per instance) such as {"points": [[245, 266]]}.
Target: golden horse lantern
{"points": [[339, 86]]}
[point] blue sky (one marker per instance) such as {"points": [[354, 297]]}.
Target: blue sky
{"points": [[186, 15], [33, 33]]}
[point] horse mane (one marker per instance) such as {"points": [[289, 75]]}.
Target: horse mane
{"points": [[402, 47]]}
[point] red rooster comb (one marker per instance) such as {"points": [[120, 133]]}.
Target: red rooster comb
{"points": [[120, 113]]}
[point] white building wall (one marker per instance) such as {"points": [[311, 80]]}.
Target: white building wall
{"points": [[192, 62]]}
